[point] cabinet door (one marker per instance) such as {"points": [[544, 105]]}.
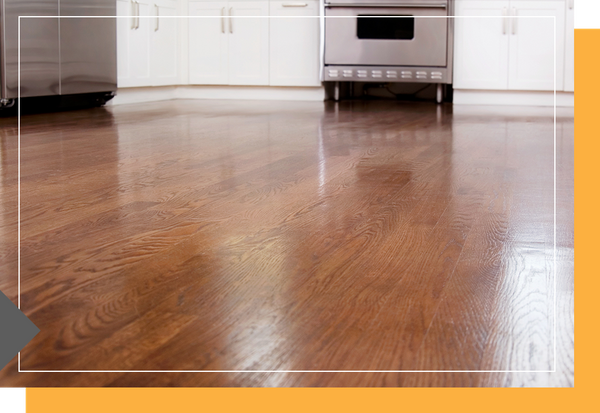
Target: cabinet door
{"points": [[569, 85], [163, 40], [294, 43], [481, 44], [207, 43], [133, 44], [248, 43], [532, 50]]}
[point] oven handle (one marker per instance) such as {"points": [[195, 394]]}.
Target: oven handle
{"points": [[390, 6]]}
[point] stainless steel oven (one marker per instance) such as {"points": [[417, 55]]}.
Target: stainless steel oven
{"points": [[388, 41]]}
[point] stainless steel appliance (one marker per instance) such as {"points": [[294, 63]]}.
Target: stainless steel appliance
{"points": [[59, 56], [388, 41]]}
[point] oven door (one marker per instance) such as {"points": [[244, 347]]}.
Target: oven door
{"points": [[386, 34]]}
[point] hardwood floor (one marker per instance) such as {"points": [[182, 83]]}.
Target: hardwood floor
{"points": [[229, 235]]}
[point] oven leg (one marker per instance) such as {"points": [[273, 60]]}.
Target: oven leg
{"points": [[440, 93], [336, 92]]}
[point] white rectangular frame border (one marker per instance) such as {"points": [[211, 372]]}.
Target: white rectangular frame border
{"points": [[269, 371]]}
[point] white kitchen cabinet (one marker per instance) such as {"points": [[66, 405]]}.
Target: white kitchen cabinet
{"points": [[146, 44], [569, 85], [481, 45], [208, 51], [133, 44], [532, 46], [163, 40], [294, 43], [248, 43], [229, 43], [514, 50]]}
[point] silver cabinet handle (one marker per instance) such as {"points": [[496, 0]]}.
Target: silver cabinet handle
{"points": [[514, 21], [223, 20], [137, 14], [156, 27], [231, 20], [295, 4], [132, 15], [504, 20]]}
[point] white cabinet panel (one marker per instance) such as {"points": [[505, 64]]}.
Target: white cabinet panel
{"points": [[532, 45], [232, 46], [569, 85], [481, 45], [140, 45], [248, 43], [163, 38], [294, 43], [146, 46], [133, 44], [207, 44], [510, 45]]}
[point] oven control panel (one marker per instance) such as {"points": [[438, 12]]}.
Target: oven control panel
{"points": [[385, 74]]}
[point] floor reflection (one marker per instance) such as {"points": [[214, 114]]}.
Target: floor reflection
{"points": [[229, 235]]}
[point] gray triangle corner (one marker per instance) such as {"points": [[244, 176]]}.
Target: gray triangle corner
{"points": [[16, 330]]}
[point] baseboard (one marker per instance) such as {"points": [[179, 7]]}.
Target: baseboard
{"points": [[129, 95], [511, 97], [461, 96], [153, 94], [252, 93]]}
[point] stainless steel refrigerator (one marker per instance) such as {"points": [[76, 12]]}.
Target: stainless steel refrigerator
{"points": [[59, 56]]}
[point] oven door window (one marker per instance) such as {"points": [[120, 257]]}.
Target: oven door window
{"points": [[393, 27]]}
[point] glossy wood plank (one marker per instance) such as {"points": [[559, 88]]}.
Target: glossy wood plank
{"points": [[222, 235]]}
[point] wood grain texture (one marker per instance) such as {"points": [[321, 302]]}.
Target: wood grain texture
{"points": [[222, 235]]}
